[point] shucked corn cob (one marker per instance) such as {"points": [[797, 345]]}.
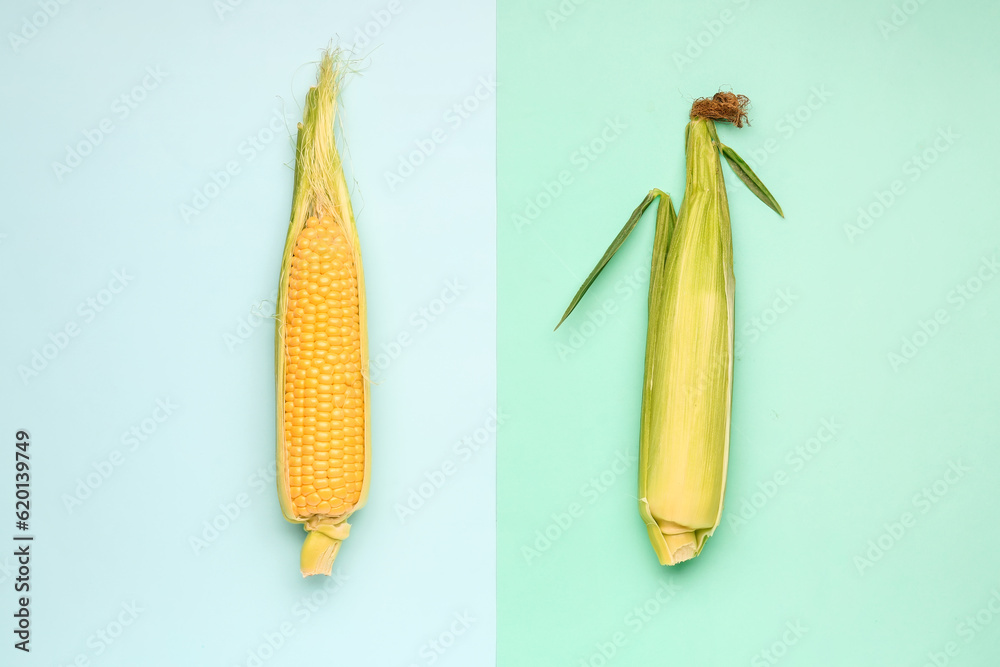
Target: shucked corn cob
{"points": [[321, 355], [687, 388]]}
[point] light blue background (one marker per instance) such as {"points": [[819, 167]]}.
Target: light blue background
{"points": [[164, 336]]}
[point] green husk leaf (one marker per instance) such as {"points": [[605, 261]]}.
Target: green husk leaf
{"points": [[666, 221], [746, 175], [712, 132], [617, 243]]}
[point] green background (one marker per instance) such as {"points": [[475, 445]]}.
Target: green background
{"points": [[844, 102]]}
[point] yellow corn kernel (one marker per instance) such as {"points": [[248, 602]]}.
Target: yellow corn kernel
{"points": [[312, 446]]}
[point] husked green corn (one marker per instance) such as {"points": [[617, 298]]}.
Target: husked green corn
{"points": [[688, 381], [684, 431]]}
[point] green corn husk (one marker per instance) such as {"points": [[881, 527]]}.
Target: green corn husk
{"points": [[687, 388]]}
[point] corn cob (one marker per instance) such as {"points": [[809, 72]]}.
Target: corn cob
{"points": [[321, 351], [687, 388]]}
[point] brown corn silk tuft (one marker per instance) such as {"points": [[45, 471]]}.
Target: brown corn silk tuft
{"points": [[723, 106]]}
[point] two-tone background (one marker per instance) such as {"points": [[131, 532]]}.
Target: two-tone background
{"points": [[496, 149]]}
